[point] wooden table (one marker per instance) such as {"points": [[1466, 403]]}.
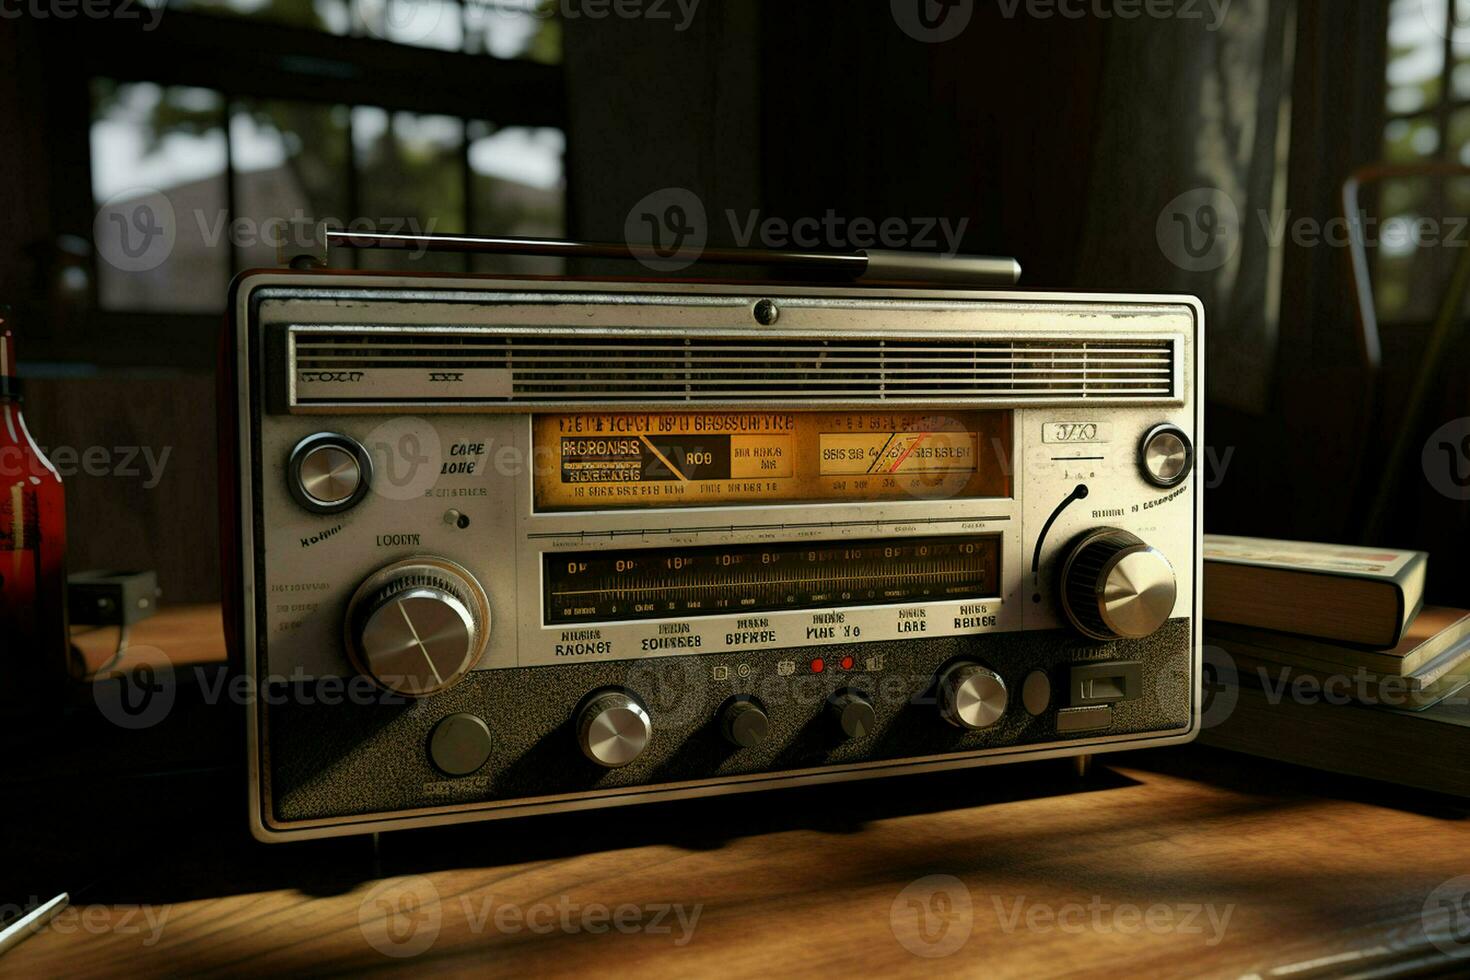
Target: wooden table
{"points": [[1190, 862]]}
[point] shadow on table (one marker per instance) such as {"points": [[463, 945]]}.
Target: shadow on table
{"points": [[180, 836]]}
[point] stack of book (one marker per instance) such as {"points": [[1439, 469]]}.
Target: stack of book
{"points": [[1326, 656]]}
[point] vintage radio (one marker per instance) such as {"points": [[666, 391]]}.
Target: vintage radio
{"points": [[507, 547]]}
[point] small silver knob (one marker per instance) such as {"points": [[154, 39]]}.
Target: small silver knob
{"points": [[417, 627], [1114, 586], [1166, 455], [613, 729], [972, 697], [329, 473]]}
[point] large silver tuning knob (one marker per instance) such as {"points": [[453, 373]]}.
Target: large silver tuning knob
{"points": [[417, 627], [1114, 586], [971, 697], [613, 728]]}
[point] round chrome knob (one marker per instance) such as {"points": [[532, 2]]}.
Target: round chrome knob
{"points": [[329, 473], [743, 722], [971, 697], [853, 713], [1114, 586], [418, 626], [613, 728], [1166, 455]]}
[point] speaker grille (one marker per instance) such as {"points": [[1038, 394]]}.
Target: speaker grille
{"points": [[333, 367]]}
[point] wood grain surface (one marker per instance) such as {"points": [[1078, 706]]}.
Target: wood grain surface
{"points": [[1181, 863]]}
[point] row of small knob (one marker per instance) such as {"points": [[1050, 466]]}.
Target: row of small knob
{"points": [[614, 728]]}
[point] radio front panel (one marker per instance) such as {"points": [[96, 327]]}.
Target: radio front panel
{"points": [[617, 542]]}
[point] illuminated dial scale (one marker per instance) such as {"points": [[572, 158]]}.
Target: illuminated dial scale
{"points": [[696, 459], [421, 625]]}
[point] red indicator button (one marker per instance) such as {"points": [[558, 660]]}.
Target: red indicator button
{"points": [[818, 666], [847, 663]]}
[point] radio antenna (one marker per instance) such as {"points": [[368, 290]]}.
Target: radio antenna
{"points": [[864, 265]]}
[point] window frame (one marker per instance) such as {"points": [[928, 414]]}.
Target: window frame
{"points": [[244, 59]]}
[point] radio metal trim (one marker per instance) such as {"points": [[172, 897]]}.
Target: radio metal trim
{"points": [[292, 438]]}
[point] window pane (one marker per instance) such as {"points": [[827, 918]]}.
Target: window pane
{"points": [[320, 15], [1411, 140], [1407, 277], [518, 187], [291, 166], [1416, 39], [411, 180], [1461, 39], [158, 179], [421, 23], [513, 29]]}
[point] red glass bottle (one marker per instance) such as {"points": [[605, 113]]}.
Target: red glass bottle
{"points": [[33, 630]]}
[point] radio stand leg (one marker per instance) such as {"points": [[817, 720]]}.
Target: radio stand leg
{"points": [[1081, 765]]}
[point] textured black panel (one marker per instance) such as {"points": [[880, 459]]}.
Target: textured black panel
{"points": [[354, 759]]}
